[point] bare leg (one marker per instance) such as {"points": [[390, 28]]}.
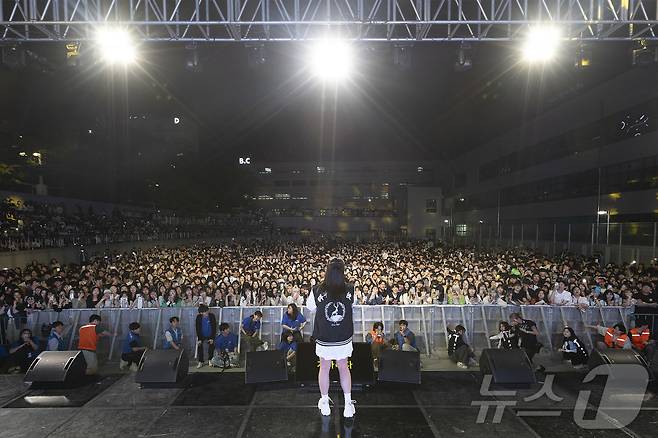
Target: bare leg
{"points": [[323, 376], [345, 376]]}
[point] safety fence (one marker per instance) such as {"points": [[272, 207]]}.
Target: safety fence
{"points": [[428, 322]]}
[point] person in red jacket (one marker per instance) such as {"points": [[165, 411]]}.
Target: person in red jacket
{"points": [[88, 342]]}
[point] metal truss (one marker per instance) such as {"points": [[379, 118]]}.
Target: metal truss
{"points": [[293, 20]]}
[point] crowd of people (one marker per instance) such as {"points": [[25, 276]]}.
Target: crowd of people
{"points": [[261, 273], [33, 225]]}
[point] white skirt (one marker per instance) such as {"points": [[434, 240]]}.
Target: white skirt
{"points": [[336, 352]]}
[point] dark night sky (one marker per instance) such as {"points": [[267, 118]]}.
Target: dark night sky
{"points": [[276, 111]]}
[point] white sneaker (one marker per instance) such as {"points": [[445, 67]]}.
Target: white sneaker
{"points": [[199, 365], [324, 407], [350, 409], [265, 346], [462, 365], [123, 365]]}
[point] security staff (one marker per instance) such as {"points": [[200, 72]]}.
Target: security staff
{"points": [[642, 342], [613, 337], [173, 336], [88, 342], [132, 349], [56, 338]]}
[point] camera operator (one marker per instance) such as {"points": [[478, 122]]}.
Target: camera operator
{"points": [[23, 352], [226, 344]]}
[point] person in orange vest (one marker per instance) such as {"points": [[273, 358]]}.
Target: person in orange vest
{"points": [[642, 342], [88, 341], [613, 337]]}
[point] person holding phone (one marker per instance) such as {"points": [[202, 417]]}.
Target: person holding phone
{"points": [[23, 352]]}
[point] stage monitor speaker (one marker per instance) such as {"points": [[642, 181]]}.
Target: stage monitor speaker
{"points": [[162, 367], [399, 366], [613, 356], [60, 369], [266, 366], [507, 366], [360, 364]]}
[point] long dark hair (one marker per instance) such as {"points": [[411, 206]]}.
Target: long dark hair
{"points": [[572, 335], [334, 279], [295, 311]]}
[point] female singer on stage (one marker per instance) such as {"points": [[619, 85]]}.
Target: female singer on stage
{"points": [[333, 330]]}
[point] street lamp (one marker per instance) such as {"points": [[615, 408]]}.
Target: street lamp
{"points": [[37, 155], [607, 228]]}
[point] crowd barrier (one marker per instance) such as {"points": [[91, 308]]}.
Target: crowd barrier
{"points": [[428, 322]]}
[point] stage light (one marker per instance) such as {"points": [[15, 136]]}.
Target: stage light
{"points": [[116, 46], [541, 44], [256, 55], [602, 212], [464, 62], [583, 57], [331, 59], [402, 56], [192, 62]]}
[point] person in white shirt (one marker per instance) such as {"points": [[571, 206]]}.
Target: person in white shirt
{"points": [[561, 296]]}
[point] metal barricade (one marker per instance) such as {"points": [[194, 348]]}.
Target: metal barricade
{"points": [[428, 322]]}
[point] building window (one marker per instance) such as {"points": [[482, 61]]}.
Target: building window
{"points": [[461, 230], [430, 206], [321, 169], [430, 233]]}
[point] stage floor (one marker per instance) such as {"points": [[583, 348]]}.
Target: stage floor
{"points": [[216, 404]]}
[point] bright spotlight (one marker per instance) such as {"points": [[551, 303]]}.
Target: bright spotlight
{"points": [[116, 46], [541, 44], [331, 59]]}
